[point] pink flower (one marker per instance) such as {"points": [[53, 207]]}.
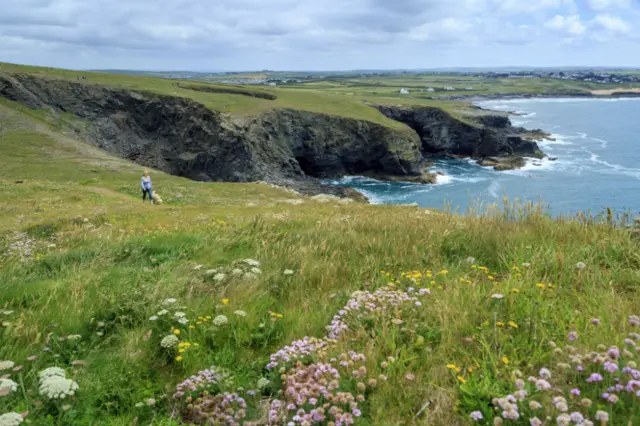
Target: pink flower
{"points": [[573, 336]]}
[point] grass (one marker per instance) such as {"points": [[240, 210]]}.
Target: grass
{"points": [[85, 266]]}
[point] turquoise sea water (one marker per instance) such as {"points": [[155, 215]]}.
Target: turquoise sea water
{"points": [[598, 149]]}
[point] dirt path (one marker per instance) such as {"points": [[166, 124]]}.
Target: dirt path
{"points": [[614, 91]]}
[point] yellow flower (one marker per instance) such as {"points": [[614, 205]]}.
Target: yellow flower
{"points": [[192, 327], [433, 282], [540, 285], [208, 317], [443, 272], [485, 323], [225, 301], [470, 369], [458, 369], [474, 267], [513, 324], [179, 358], [500, 324], [198, 322], [505, 360], [462, 379], [176, 332], [515, 290], [196, 344], [490, 277], [517, 275], [181, 351], [451, 366]]}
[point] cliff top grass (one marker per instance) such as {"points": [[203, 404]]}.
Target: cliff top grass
{"points": [[129, 300]]}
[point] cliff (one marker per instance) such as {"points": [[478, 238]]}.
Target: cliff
{"points": [[282, 146]]}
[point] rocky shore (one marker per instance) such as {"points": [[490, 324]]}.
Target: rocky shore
{"points": [[285, 147]]}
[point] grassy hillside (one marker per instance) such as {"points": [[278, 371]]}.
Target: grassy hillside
{"points": [[451, 309]]}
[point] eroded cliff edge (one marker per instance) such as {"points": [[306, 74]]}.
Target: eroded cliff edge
{"points": [[282, 146]]}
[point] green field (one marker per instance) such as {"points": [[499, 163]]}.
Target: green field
{"points": [[471, 303]]}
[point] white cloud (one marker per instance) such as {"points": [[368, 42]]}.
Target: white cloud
{"points": [[569, 24], [528, 6], [612, 23], [445, 29], [609, 4]]}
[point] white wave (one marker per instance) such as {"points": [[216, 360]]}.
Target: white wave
{"points": [[373, 198], [494, 188], [443, 179], [617, 168], [556, 139]]}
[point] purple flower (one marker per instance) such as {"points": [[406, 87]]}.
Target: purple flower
{"points": [[476, 416], [575, 392], [611, 367], [605, 395], [580, 368], [595, 321], [595, 377], [613, 352], [573, 336], [577, 417], [634, 321]]}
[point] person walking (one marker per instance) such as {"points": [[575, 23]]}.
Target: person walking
{"points": [[145, 183]]}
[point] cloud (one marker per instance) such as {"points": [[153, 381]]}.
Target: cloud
{"points": [[599, 5], [569, 24], [295, 34]]}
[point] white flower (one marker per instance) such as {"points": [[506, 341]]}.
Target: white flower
{"points": [[10, 419], [150, 402], [209, 272], [8, 384], [169, 341], [262, 383], [256, 271], [169, 301], [497, 296], [220, 277], [153, 318], [580, 265], [183, 320], [179, 315], [535, 421], [526, 264], [7, 312], [603, 416], [162, 312], [55, 387], [51, 372], [220, 320], [5, 365], [240, 313], [288, 272], [74, 337], [139, 404], [197, 267], [251, 262], [418, 304], [471, 259], [249, 276], [236, 272]]}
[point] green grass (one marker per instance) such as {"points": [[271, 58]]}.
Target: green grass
{"points": [[102, 263]]}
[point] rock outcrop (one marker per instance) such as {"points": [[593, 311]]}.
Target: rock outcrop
{"points": [[285, 147]]}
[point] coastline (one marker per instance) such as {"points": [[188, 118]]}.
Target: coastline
{"points": [[517, 96]]}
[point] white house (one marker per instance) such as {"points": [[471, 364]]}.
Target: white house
{"points": [[404, 91], [431, 89]]}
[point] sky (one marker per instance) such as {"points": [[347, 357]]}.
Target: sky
{"points": [[235, 35]]}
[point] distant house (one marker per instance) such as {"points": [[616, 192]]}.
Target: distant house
{"points": [[450, 88], [431, 89], [468, 88], [404, 91], [272, 84]]}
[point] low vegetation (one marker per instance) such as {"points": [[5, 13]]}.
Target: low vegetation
{"points": [[249, 304]]}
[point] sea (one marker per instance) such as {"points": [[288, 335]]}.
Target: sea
{"points": [[597, 146]]}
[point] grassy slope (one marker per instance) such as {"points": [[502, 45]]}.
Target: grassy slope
{"points": [[107, 275]]}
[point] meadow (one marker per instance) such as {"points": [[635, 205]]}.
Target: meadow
{"points": [[250, 304]]}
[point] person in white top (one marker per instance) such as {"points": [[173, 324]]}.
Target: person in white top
{"points": [[147, 189]]}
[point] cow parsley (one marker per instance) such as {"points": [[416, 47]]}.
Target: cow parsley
{"points": [[220, 320], [10, 419], [51, 372], [169, 341], [5, 365], [56, 387], [8, 384]]}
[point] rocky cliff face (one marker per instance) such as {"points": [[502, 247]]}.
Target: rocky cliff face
{"points": [[477, 137], [285, 147]]}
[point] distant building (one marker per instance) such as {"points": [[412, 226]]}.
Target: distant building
{"points": [[272, 84], [450, 88], [468, 88], [431, 89], [404, 91]]}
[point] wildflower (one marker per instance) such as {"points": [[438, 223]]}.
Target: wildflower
{"points": [[51, 372], [153, 318], [476, 416], [573, 336], [563, 419], [179, 358], [220, 320], [542, 385], [162, 312], [183, 321], [169, 301], [497, 296], [535, 405], [169, 341], [580, 265], [55, 387], [139, 404], [10, 419], [240, 313], [500, 324], [534, 421], [540, 285], [595, 321], [520, 384], [5, 365], [586, 402], [176, 331], [252, 262], [418, 304], [595, 377], [410, 376], [610, 367], [462, 379], [288, 272], [575, 392], [498, 421], [471, 259], [526, 264], [220, 277], [8, 386], [545, 373], [513, 324], [505, 360], [602, 416], [634, 321], [449, 366], [225, 301], [262, 383]]}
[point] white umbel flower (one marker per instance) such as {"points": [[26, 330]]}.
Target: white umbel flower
{"points": [[179, 315], [10, 419], [183, 320], [169, 301], [58, 387], [240, 313], [220, 277], [236, 272], [51, 372], [5, 365], [8, 384], [220, 320], [169, 341], [256, 271], [153, 318], [288, 272], [251, 262]]}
